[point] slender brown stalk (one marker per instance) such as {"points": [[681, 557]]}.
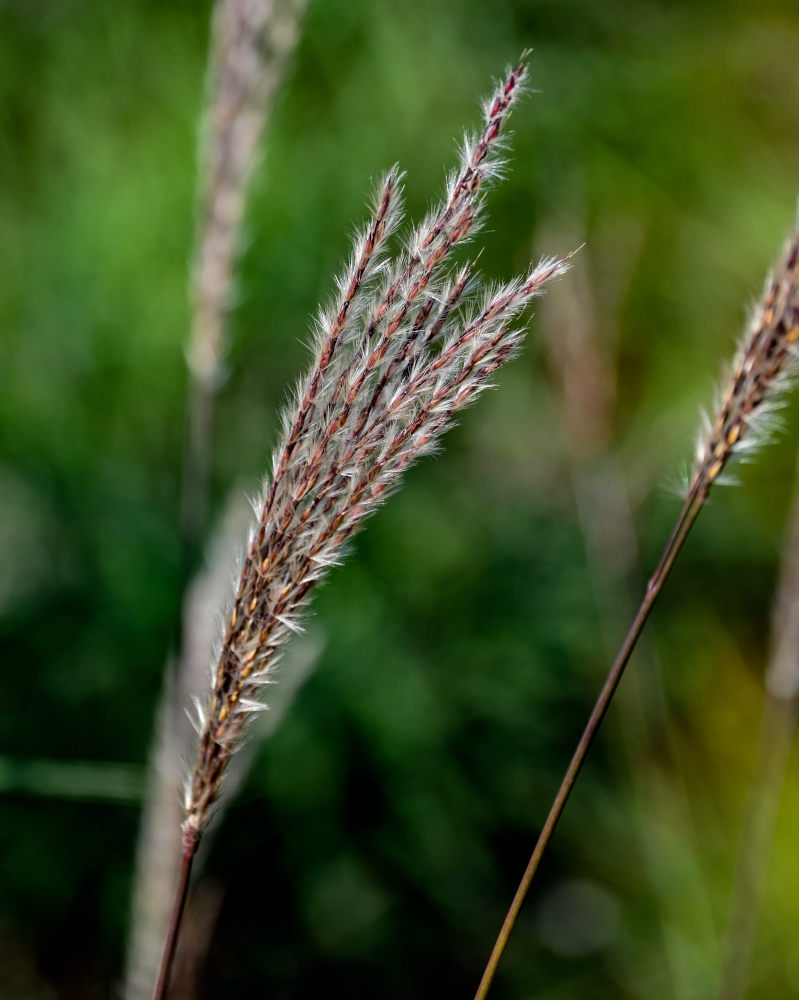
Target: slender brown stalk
{"points": [[580, 332], [688, 515], [170, 943], [759, 374], [198, 926]]}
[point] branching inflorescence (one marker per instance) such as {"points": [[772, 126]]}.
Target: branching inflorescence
{"points": [[400, 352]]}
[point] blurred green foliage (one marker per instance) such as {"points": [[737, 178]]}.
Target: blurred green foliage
{"points": [[386, 823]]}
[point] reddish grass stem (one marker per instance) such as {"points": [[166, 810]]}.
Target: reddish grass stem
{"points": [[687, 516], [190, 845]]}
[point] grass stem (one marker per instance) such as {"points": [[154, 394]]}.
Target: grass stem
{"points": [[761, 371], [170, 943], [687, 516]]}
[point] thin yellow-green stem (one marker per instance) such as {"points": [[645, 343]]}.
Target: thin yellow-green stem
{"points": [[688, 514]]}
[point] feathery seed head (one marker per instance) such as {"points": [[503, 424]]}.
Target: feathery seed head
{"points": [[252, 42], [395, 359], [761, 372]]}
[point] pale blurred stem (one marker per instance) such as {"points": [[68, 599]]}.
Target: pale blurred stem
{"points": [[196, 469], [178, 906], [776, 737], [688, 514]]}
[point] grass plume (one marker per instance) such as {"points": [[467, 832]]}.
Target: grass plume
{"points": [[401, 350]]}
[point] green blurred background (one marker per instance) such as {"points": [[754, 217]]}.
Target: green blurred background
{"points": [[385, 824]]}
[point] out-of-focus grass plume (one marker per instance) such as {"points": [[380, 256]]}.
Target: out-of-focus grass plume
{"points": [[389, 817]]}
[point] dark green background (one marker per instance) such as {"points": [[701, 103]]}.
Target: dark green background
{"points": [[386, 823]]}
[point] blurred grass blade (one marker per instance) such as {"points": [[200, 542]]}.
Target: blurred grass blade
{"points": [[776, 737], [83, 781]]}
